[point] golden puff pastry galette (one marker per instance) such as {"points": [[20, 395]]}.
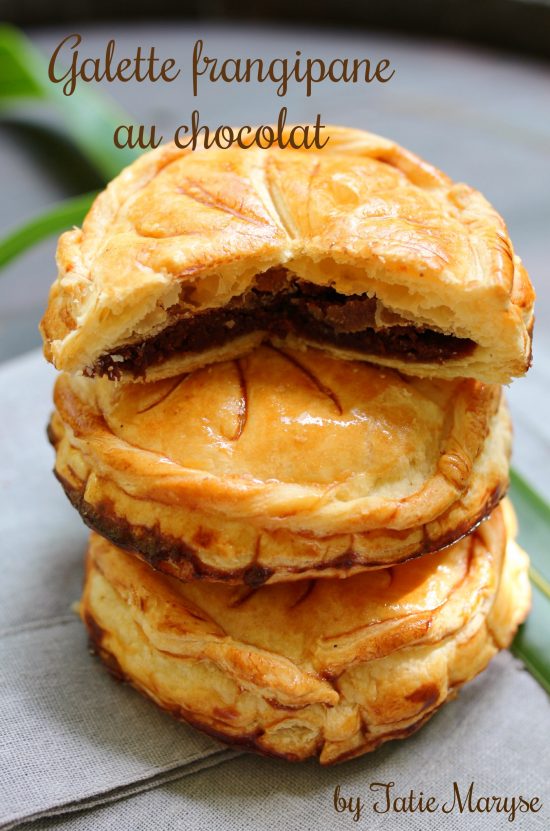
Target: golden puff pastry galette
{"points": [[281, 464], [360, 248], [327, 668]]}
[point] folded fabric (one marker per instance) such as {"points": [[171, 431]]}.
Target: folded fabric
{"points": [[70, 736], [485, 737]]}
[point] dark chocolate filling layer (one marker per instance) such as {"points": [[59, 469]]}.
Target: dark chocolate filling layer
{"points": [[279, 306]]}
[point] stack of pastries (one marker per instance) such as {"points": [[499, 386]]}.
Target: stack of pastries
{"points": [[279, 410]]}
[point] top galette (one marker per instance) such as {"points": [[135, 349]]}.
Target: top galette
{"points": [[361, 249]]}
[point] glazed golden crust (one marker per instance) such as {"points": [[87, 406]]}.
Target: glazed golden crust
{"points": [[330, 668], [178, 232], [281, 465]]}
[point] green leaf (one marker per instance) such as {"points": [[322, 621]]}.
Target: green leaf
{"points": [[90, 119], [534, 523], [532, 643], [15, 79], [57, 219]]}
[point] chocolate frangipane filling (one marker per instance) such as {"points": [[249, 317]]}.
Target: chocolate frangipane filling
{"points": [[280, 304]]}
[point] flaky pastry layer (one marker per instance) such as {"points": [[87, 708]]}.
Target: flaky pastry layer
{"points": [[178, 234], [327, 668], [281, 464]]}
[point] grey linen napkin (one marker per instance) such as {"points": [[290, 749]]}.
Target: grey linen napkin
{"points": [[69, 735], [494, 735], [73, 742]]}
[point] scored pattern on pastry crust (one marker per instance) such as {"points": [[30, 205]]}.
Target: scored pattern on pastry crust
{"points": [[281, 465], [180, 238], [327, 667]]}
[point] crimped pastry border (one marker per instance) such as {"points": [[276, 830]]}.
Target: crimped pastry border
{"points": [[454, 643], [179, 559], [193, 524], [476, 410]]}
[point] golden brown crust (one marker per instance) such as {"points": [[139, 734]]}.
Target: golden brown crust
{"points": [[281, 465], [180, 232], [330, 668]]}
